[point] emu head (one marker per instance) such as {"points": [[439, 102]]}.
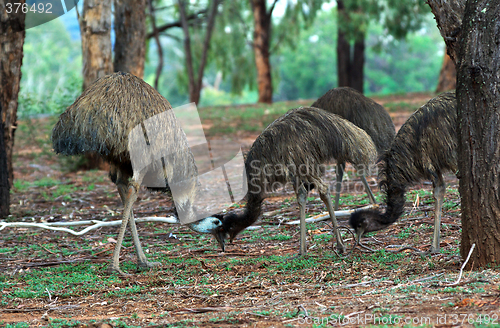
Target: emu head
{"points": [[366, 221], [228, 229]]}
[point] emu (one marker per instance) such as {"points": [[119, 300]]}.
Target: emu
{"points": [[100, 122], [295, 149], [366, 114], [424, 148]]}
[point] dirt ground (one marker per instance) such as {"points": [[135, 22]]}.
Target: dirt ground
{"points": [[52, 278]]}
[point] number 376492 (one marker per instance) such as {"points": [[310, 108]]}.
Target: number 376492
{"points": [[39, 8]]}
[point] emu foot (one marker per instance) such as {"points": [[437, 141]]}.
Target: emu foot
{"points": [[116, 269], [433, 250], [147, 265], [341, 249]]}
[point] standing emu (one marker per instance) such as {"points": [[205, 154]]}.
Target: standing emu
{"points": [[424, 148], [100, 122], [365, 114], [294, 149]]}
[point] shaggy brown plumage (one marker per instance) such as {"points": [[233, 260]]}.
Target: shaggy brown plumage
{"points": [[365, 114], [294, 149], [101, 121], [424, 148]]}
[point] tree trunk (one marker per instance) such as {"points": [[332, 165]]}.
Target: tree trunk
{"points": [[473, 46], [193, 88], [350, 71], [478, 97], [447, 76], [11, 56], [261, 40], [95, 28], [196, 83], [130, 31], [448, 15], [343, 59], [356, 74]]}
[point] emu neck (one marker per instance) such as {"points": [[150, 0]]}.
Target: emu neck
{"points": [[233, 224], [395, 204]]}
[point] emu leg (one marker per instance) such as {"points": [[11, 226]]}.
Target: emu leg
{"points": [[130, 194], [340, 174], [325, 197], [302, 199], [142, 261], [439, 190], [368, 190]]}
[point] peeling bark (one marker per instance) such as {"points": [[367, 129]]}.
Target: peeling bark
{"points": [[473, 46], [95, 28], [11, 56], [130, 31], [478, 97], [261, 41]]}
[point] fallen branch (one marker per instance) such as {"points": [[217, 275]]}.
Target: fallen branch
{"points": [[325, 215], [58, 226], [463, 266]]}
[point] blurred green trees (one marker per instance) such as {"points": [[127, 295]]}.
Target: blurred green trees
{"points": [[304, 67]]}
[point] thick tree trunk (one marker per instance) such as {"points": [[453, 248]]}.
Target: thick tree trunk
{"points": [[261, 41], [130, 31], [478, 97], [95, 28], [356, 75], [350, 71], [447, 76], [473, 46], [11, 56], [343, 59], [448, 15]]}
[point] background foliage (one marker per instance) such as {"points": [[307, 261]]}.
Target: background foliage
{"points": [[304, 66]]}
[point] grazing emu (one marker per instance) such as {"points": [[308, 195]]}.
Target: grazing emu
{"points": [[100, 122], [365, 114], [424, 148], [294, 149]]}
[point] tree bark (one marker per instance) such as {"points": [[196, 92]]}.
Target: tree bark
{"points": [[130, 31], [11, 56], [196, 83], [261, 41], [156, 34], [447, 76], [350, 71], [356, 76], [95, 29], [474, 48], [448, 15], [478, 98]]}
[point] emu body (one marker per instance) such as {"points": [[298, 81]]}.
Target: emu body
{"points": [[366, 114], [294, 149], [424, 148], [100, 121]]}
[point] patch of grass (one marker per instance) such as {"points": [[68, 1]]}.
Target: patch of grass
{"points": [[61, 281]]}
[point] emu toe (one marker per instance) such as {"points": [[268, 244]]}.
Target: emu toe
{"points": [[114, 269], [147, 265]]}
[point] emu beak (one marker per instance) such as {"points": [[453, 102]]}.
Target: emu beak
{"points": [[221, 238]]}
